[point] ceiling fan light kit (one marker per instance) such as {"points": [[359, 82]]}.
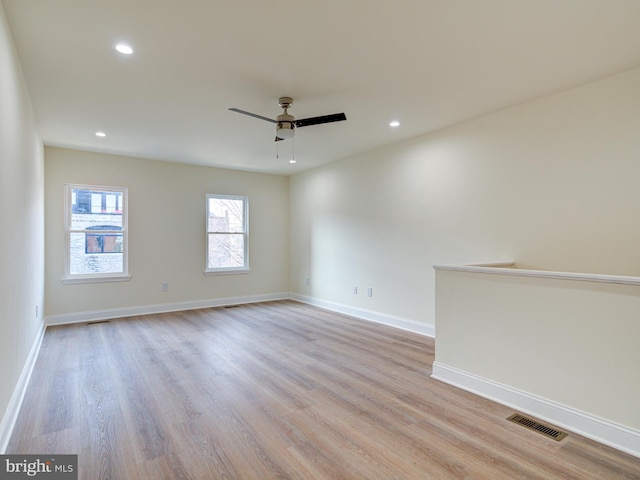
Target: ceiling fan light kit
{"points": [[286, 123], [285, 130]]}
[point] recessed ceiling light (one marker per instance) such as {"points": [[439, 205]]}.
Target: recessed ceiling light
{"points": [[395, 123], [101, 134], [124, 49]]}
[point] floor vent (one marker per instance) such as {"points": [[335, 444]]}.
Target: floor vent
{"points": [[97, 322], [537, 426]]}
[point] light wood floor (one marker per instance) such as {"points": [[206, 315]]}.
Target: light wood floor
{"points": [[276, 390]]}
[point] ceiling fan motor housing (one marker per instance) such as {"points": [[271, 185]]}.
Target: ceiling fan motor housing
{"points": [[286, 126]]}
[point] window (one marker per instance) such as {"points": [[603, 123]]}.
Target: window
{"points": [[103, 242], [227, 234], [96, 233]]}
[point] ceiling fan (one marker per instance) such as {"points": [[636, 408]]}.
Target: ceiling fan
{"points": [[286, 124]]}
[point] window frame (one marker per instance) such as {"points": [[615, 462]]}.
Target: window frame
{"points": [[245, 233], [70, 278]]}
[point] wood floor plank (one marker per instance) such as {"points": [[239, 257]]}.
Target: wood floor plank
{"points": [[276, 390]]}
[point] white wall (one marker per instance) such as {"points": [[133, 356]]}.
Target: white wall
{"points": [[166, 235], [22, 221], [563, 349], [551, 183]]}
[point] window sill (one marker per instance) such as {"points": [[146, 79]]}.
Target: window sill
{"points": [[101, 279], [229, 271]]}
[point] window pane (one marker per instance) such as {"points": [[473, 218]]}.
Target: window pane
{"points": [[86, 255], [226, 251], [87, 212], [94, 244], [103, 242], [225, 215], [96, 202], [110, 200]]}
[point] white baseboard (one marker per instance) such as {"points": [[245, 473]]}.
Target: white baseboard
{"points": [[397, 322], [13, 409], [609, 433], [603, 431], [110, 313], [96, 315]]}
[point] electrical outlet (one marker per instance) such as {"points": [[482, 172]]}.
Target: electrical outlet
{"points": [[307, 281], [355, 289], [165, 287], [369, 292]]}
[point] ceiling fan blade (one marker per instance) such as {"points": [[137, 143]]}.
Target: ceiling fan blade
{"points": [[278, 139], [305, 122], [253, 115]]}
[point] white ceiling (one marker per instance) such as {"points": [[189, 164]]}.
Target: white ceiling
{"points": [[426, 63]]}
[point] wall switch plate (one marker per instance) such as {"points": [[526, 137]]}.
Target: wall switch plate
{"points": [[369, 292]]}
